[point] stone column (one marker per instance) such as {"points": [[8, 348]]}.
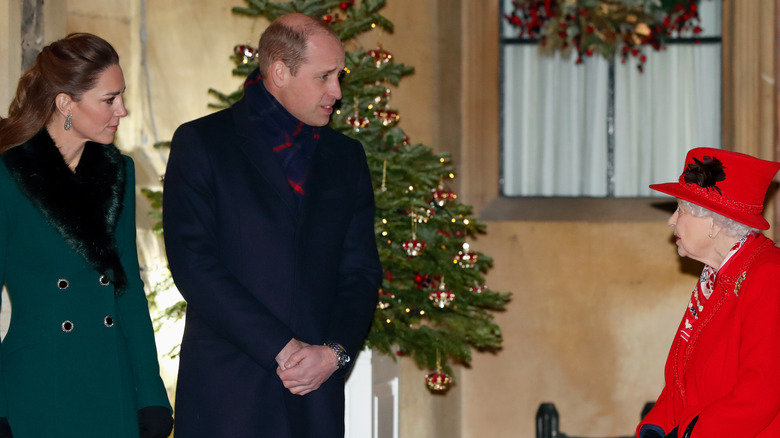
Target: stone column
{"points": [[10, 50]]}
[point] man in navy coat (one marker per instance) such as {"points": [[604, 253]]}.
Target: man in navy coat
{"points": [[269, 229]]}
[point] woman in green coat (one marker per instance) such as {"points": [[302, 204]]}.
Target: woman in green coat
{"points": [[79, 358]]}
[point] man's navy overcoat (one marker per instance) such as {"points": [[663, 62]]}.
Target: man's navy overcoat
{"points": [[256, 270]]}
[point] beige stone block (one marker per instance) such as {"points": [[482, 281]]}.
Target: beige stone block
{"points": [[594, 309]]}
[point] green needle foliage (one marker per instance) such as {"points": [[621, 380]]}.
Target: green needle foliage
{"points": [[413, 203]]}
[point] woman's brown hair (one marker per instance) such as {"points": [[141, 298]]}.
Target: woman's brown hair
{"points": [[71, 66]]}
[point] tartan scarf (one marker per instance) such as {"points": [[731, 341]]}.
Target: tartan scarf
{"points": [[704, 288], [292, 141]]}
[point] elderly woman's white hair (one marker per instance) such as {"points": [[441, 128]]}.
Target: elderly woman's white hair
{"points": [[730, 226]]}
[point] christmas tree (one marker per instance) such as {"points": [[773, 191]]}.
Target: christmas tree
{"points": [[433, 304]]}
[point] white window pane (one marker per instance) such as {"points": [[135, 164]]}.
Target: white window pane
{"points": [[660, 114], [554, 125]]}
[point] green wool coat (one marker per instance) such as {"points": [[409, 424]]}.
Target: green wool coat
{"points": [[79, 358]]}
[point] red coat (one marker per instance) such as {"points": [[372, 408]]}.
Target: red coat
{"points": [[728, 373]]}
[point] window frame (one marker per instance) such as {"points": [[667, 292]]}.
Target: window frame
{"points": [[505, 41]]}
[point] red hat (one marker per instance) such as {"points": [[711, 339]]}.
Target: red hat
{"points": [[729, 183]]}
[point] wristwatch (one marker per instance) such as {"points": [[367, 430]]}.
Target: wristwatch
{"points": [[341, 354]]}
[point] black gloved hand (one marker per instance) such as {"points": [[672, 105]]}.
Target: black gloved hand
{"points": [[154, 422], [689, 429], [651, 434], [5, 428]]}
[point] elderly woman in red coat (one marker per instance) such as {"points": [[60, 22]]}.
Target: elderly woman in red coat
{"points": [[723, 371]]}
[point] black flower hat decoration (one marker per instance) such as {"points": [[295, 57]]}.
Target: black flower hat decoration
{"points": [[706, 173]]}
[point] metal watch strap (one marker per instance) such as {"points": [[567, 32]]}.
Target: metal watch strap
{"points": [[341, 354]]}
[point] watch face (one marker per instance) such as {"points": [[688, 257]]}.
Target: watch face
{"points": [[341, 354]]}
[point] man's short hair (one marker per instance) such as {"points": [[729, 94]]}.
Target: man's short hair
{"points": [[282, 42]]}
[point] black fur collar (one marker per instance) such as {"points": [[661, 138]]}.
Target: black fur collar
{"points": [[84, 206]]}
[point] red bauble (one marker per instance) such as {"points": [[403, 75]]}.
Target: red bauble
{"points": [[414, 247], [245, 53], [388, 117], [442, 297], [379, 56], [438, 381], [466, 259], [442, 196], [357, 122]]}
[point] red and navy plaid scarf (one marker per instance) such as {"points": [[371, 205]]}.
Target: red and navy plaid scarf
{"points": [[292, 141]]}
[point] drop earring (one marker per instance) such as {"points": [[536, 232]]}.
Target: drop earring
{"points": [[68, 123]]}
